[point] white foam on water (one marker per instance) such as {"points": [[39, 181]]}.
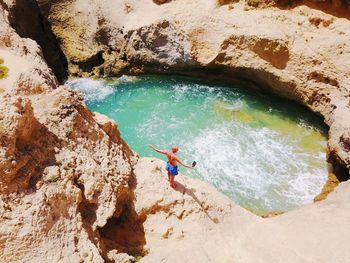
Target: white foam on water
{"points": [[257, 167], [126, 78], [93, 90]]}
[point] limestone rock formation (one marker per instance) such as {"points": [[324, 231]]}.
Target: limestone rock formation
{"points": [[301, 54], [63, 169], [195, 223], [25, 17], [71, 190]]}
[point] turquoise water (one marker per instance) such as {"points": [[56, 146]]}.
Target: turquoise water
{"points": [[267, 154]]}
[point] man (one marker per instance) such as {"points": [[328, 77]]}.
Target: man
{"points": [[171, 165]]}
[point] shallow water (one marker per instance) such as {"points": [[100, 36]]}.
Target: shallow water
{"points": [[267, 154]]}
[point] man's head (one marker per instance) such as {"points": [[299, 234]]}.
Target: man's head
{"points": [[174, 149]]}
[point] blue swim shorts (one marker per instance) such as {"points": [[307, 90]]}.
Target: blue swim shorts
{"points": [[172, 169]]}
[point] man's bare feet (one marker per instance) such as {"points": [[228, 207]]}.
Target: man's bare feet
{"points": [[173, 185]]}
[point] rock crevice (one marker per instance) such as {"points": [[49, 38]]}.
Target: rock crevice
{"points": [[25, 17]]}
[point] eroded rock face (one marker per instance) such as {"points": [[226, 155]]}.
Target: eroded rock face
{"points": [[62, 168], [25, 17], [302, 54], [195, 223], [67, 178]]}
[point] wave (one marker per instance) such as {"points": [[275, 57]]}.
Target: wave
{"points": [[93, 90], [258, 168]]}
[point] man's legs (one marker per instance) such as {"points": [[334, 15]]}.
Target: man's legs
{"points": [[172, 181], [169, 176]]}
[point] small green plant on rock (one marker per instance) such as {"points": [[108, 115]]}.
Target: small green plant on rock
{"points": [[3, 70], [139, 255], [52, 179], [138, 258], [68, 132]]}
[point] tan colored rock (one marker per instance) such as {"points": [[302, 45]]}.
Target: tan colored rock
{"points": [[275, 50], [195, 223], [339, 8], [61, 171], [25, 17], [332, 182], [73, 191]]}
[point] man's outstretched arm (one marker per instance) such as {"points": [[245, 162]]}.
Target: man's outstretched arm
{"points": [[157, 150], [183, 164]]}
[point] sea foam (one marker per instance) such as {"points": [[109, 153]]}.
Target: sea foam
{"points": [[93, 90]]}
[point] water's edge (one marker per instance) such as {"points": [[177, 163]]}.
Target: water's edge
{"points": [[105, 90]]}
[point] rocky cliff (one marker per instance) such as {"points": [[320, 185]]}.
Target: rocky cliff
{"points": [[195, 223], [25, 17], [73, 191], [300, 53], [64, 170]]}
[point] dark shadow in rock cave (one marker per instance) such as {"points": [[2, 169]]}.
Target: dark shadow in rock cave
{"points": [[27, 20], [124, 232], [89, 64]]}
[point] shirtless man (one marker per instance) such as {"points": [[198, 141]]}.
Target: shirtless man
{"points": [[171, 165]]}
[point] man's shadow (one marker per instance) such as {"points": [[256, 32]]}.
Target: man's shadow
{"points": [[190, 191]]}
